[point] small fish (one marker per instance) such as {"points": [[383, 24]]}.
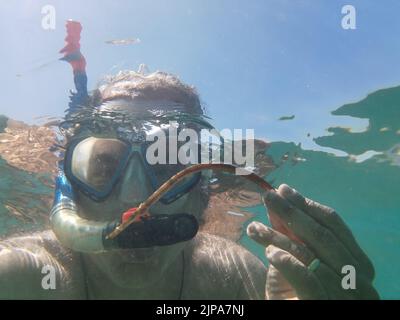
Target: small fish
{"points": [[123, 41], [235, 213], [286, 118]]}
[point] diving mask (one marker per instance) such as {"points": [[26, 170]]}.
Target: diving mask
{"points": [[95, 164]]}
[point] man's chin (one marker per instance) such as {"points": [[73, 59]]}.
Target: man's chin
{"points": [[139, 261], [138, 267], [138, 256], [138, 272]]}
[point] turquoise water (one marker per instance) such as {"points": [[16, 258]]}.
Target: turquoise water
{"points": [[24, 199], [363, 190], [365, 194]]}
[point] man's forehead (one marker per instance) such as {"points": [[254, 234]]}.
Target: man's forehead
{"points": [[134, 119], [141, 106]]}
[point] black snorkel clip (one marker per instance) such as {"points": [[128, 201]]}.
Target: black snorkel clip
{"points": [[155, 230]]}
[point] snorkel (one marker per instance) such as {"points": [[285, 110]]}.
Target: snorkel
{"points": [[135, 228], [84, 235], [71, 230]]}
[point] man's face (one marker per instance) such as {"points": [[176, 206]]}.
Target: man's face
{"points": [[148, 264]]}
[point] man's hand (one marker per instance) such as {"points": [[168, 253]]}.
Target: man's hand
{"points": [[307, 256]]}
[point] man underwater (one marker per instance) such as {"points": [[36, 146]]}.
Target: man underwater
{"points": [[105, 173]]}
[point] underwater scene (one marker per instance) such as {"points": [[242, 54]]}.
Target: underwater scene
{"points": [[305, 202]]}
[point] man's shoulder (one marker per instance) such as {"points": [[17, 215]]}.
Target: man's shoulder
{"points": [[228, 265], [36, 238], [29, 257], [37, 243]]}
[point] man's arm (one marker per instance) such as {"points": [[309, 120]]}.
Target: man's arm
{"points": [[28, 270], [20, 274]]}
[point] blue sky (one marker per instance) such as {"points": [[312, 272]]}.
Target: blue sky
{"points": [[252, 61]]}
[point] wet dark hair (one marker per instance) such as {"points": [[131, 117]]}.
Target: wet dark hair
{"points": [[156, 85], [130, 85]]}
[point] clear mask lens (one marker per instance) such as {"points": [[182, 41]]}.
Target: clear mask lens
{"points": [[96, 162]]}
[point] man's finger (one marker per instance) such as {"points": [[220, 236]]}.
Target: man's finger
{"points": [[328, 217], [304, 282], [267, 236], [318, 238], [331, 281], [277, 287], [328, 278]]}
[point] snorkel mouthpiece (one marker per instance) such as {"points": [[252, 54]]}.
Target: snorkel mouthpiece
{"points": [[146, 231], [157, 230]]}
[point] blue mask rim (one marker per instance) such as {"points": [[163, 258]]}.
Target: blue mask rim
{"points": [[99, 196]]}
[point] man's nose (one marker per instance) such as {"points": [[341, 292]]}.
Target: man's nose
{"points": [[135, 186]]}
